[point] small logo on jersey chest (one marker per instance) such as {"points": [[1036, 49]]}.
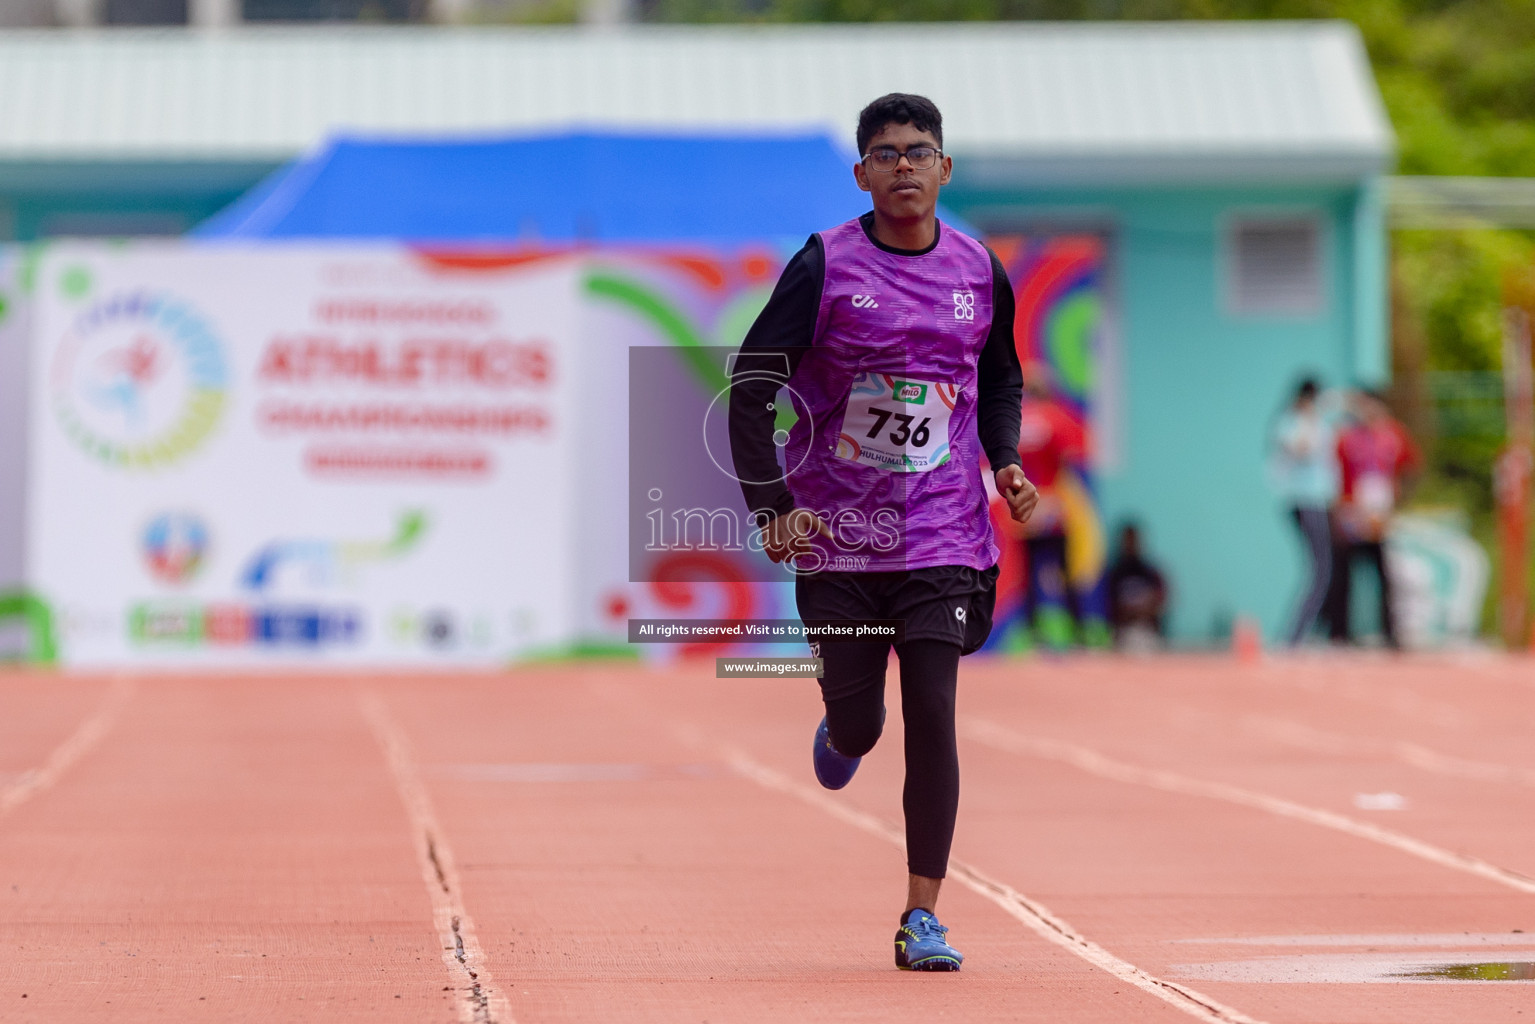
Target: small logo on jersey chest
{"points": [[864, 302], [964, 305]]}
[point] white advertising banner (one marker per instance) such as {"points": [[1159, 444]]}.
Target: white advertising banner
{"points": [[302, 454]]}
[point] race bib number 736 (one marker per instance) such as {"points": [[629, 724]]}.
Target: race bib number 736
{"points": [[896, 423]]}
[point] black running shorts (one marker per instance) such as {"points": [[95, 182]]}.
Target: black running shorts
{"points": [[948, 603]]}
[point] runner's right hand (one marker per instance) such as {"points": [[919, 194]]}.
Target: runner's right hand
{"points": [[1020, 494], [788, 536]]}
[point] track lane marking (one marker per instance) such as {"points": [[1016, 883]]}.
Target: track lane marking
{"points": [[1103, 766], [1032, 914], [86, 735], [1309, 675], [480, 1001], [1409, 753]]}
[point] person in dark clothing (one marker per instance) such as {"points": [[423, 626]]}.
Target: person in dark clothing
{"points": [[1137, 593]]}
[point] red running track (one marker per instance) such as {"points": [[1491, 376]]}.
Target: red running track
{"points": [[1163, 840]]}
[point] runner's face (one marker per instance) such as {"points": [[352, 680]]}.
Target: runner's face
{"points": [[904, 193]]}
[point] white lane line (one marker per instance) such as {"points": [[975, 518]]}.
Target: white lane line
{"points": [[1307, 674], [1424, 758], [479, 1001], [1036, 917], [34, 780], [1105, 767]]}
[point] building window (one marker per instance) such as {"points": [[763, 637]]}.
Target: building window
{"points": [[1274, 265], [334, 10], [146, 12]]}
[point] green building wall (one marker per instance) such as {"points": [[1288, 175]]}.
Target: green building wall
{"points": [[1200, 385], [71, 198]]}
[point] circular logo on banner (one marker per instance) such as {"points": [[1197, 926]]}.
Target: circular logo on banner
{"points": [[139, 380], [174, 546]]}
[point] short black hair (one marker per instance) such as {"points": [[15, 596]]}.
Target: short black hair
{"points": [[899, 108], [1307, 389]]}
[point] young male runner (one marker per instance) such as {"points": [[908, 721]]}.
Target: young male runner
{"points": [[894, 336]]}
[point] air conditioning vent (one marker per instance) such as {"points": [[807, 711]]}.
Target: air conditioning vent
{"points": [[1275, 266]]}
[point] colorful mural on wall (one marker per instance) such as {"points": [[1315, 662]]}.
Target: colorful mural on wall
{"points": [[1061, 288]]}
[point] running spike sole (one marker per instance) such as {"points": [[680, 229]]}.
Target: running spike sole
{"points": [[932, 963]]}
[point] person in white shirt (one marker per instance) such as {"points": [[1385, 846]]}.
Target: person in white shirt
{"points": [[1305, 470]]}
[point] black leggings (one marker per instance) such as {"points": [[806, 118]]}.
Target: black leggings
{"points": [[1340, 593], [929, 673], [1316, 534]]}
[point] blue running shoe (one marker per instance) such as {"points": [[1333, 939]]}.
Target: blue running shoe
{"points": [[920, 945], [832, 769]]}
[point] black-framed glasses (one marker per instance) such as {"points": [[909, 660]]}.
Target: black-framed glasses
{"points": [[884, 158]]}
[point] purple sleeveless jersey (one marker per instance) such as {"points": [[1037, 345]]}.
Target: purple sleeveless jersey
{"points": [[894, 356]]}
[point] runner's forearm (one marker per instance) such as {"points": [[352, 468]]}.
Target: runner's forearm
{"points": [[769, 356], [751, 443]]}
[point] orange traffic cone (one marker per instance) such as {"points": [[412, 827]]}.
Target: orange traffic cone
{"points": [[1246, 640]]}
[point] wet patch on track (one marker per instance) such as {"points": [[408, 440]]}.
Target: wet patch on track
{"points": [[1438, 940], [1440, 967], [1516, 970]]}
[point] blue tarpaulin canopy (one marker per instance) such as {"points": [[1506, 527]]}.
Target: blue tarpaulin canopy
{"points": [[574, 187]]}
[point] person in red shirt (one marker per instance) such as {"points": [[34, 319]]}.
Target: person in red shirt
{"points": [[1376, 456], [1049, 441]]}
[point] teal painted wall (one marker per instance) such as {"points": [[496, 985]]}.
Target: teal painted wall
{"points": [[85, 198], [1201, 385]]}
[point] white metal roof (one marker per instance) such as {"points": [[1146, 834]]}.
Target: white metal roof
{"points": [[1042, 101]]}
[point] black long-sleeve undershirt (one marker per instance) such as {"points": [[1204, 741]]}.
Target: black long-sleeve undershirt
{"points": [[785, 330]]}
